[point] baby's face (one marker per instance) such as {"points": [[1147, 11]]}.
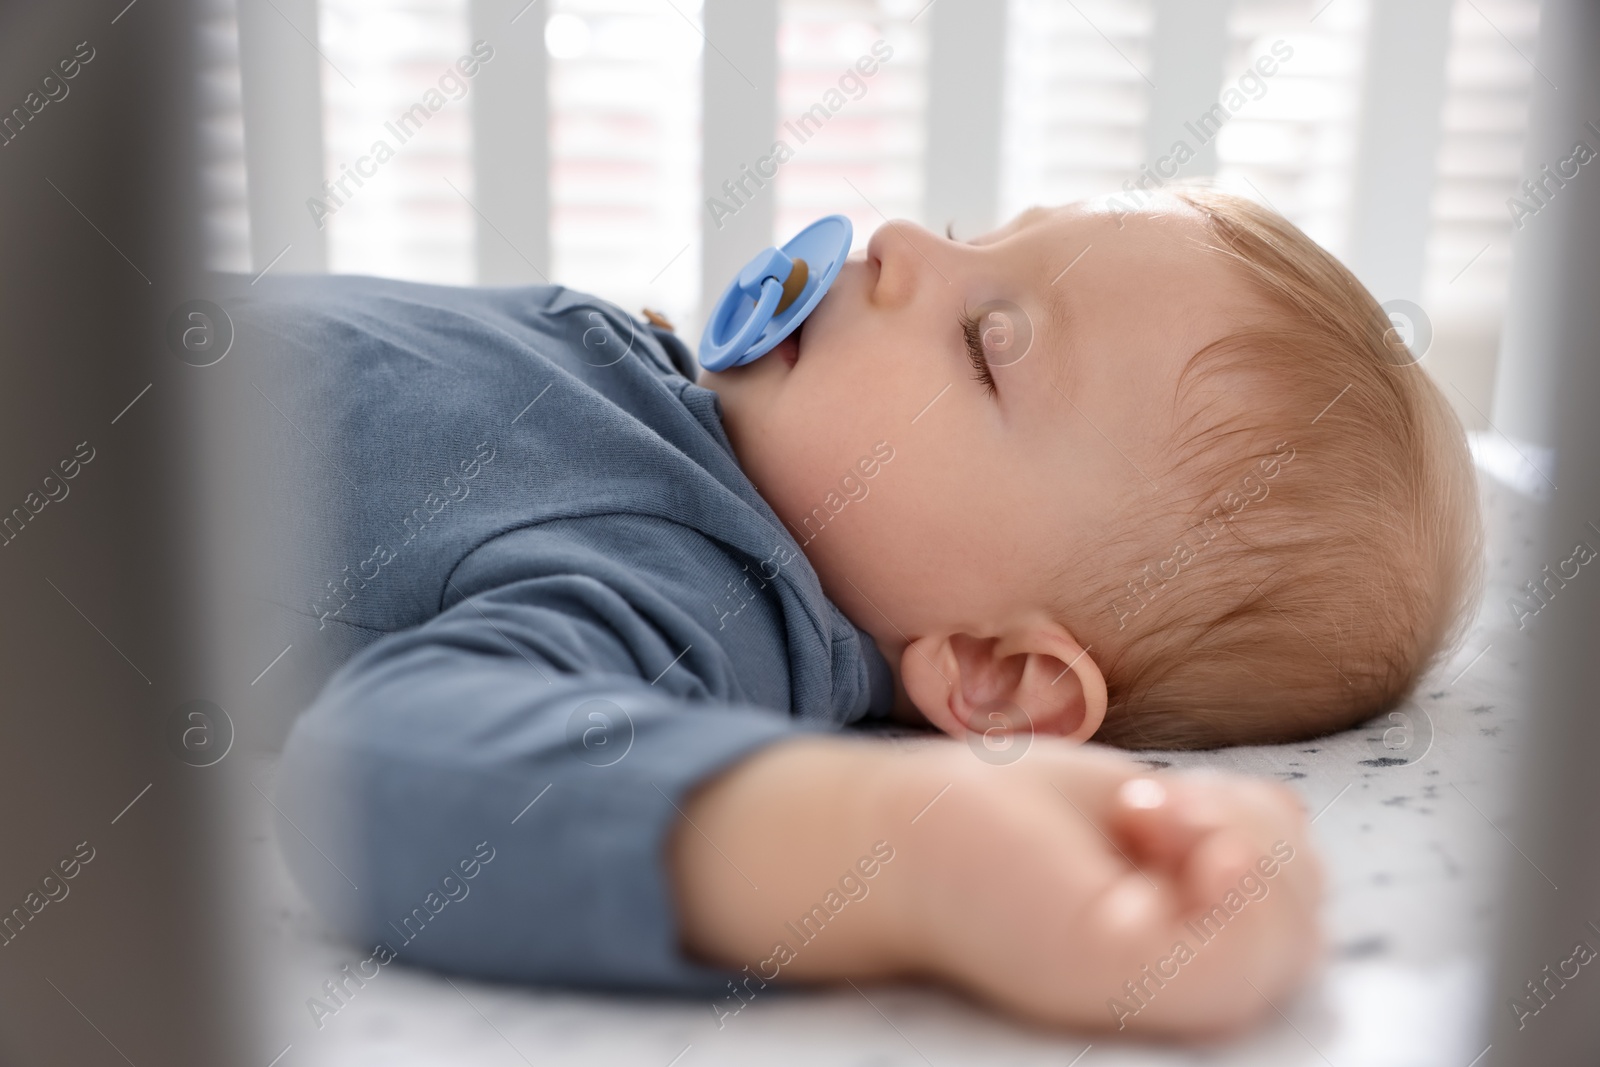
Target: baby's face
{"points": [[1086, 317]]}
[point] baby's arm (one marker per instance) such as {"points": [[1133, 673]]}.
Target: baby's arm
{"points": [[1057, 888], [553, 720]]}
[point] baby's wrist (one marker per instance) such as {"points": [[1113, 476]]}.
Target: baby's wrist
{"points": [[900, 799]]}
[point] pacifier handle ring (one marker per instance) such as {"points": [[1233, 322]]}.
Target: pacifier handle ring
{"points": [[771, 293]]}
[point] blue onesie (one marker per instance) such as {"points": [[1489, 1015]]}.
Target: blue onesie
{"points": [[567, 607]]}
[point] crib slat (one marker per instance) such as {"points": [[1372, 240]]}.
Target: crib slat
{"points": [[280, 76], [510, 143], [966, 71], [740, 116], [1397, 155]]}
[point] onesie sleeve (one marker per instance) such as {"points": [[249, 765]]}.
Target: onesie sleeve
{"points": [[491, 792]]}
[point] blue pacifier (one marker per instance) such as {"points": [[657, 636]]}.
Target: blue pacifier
{"points": [[774, 293]]}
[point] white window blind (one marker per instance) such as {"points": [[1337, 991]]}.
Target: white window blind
{"points": [[223, 187], [1076, 98], [389, 78], [1490, 79], [625, 131], [1294, 148], [625, 151], [873, 137]]}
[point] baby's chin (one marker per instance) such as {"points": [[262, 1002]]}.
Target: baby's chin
{"points": [[746, 392]]}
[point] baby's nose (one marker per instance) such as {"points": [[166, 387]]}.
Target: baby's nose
{"points": [[900, 250]]}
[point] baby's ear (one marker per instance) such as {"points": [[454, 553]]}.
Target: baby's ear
{"points": [[1035, 678]]}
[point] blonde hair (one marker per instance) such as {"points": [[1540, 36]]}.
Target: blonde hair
{"points": [[1331, 546]]}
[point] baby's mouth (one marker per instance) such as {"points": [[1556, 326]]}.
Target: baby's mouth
{"points": [[789, 347]]}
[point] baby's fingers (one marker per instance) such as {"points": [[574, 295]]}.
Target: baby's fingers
{"points": [[1184, 830], [1157, 972], [1214, 868], [1162, 819]]}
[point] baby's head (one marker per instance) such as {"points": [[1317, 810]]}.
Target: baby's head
{"points": [[1163, 477]]}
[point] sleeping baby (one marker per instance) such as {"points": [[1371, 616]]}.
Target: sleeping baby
{"points": [[656, 641]]}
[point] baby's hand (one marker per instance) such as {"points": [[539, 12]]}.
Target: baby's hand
{"points": [[1075, 888]]}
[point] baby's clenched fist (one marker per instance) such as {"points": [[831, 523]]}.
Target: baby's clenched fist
{"points": [[1075, 888]]}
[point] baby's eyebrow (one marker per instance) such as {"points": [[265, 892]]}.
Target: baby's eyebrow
{"points": [[1057, 323], [1030, 215], [1025, 217]]}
